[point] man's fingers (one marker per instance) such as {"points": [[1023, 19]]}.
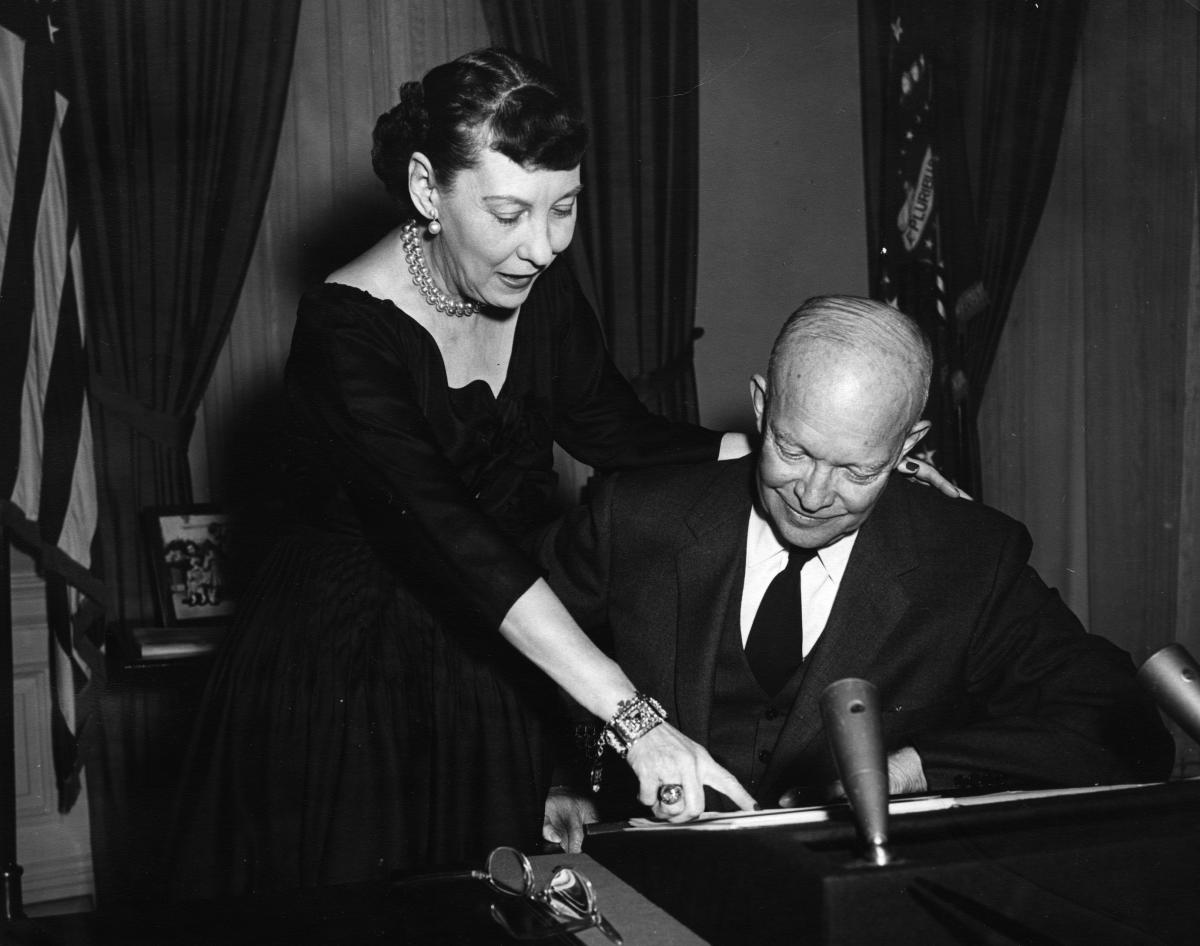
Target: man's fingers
{"points": [[565, 830], [574, 837]]}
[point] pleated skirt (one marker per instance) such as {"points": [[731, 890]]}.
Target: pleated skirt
{"points": [[348, 732]]}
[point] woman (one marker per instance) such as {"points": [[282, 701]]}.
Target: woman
{"points": [[364, 716]]}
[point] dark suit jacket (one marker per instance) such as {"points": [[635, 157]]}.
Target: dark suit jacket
{"points": [[979, 665]]}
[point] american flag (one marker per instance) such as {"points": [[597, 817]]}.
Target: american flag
{"points": [[47, 480]]}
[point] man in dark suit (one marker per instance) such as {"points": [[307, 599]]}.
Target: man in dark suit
{"points": [[986, 679]]}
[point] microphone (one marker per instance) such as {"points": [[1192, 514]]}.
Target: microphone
{"points": [[1172, 677], [850, 712]]}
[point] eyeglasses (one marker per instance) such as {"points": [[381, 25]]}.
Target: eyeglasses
{"points": [[565, 904]]}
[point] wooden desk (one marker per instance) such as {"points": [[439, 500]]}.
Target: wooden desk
{"points": [[1113, 867], [1110, 867], [437, 913]]}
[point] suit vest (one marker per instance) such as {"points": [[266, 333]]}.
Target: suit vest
{"points": [[745, 723]]}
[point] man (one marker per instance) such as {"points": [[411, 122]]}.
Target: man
{"points": [[986, 679]]}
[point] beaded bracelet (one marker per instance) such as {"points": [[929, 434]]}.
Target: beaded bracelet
{"points": [[634, 718]]}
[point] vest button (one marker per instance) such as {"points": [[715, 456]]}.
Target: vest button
{"points": [[764, 756], [770, 713]]}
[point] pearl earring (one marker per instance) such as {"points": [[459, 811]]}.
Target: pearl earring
{"points": [[435, 227]]}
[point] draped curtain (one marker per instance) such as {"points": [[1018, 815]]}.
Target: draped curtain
{"points": [[635, 68], [1002, 75], [326, 206], [1092, 427], [179, 111], [177, 119]]}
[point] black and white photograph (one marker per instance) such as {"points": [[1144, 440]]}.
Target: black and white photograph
{"points": [[609, 472], [189, 552]]}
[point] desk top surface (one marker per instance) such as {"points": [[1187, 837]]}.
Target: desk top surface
{"points": [[1072, 869], [448, 911]]}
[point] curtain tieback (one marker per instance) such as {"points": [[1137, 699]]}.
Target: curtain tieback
{"points": [[163, 428]]}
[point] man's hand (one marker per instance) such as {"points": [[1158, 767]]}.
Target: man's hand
{"points": [[906, 776], [566, 814], [665, 756]]}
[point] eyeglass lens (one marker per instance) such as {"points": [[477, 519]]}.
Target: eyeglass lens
{"points": [[566, 904], [509, 871], [570, 894]]}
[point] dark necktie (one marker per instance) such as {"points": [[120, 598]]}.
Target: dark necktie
{"points": [[775, 646]]}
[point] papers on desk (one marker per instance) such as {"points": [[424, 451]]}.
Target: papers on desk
{"points": [[969, 801], [727, 821]]}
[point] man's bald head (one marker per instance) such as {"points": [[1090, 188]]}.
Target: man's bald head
{"points": [[848, 378], [841, 333]]}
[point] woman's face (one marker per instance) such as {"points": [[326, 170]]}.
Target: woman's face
{"points": [[502, 225]]}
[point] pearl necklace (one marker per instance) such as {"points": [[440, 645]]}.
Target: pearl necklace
{"points": [[423, 279]]}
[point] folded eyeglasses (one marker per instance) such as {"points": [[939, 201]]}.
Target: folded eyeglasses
{"points": [[565, 904]]}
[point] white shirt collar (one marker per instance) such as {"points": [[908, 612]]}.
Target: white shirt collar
{"points": [[762, 544]]}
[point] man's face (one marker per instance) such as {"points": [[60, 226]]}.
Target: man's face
{"points": [[830, 437]]}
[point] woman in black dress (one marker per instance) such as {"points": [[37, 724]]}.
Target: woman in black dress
{"points": [[364, 714]]}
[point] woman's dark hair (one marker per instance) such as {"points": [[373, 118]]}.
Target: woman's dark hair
{"points": [[492, 98]]}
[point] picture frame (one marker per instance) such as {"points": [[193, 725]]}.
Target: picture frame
{"points": [[189, 555]]}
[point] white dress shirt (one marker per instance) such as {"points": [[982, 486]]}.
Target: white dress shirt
{"points": [[820, 578]]}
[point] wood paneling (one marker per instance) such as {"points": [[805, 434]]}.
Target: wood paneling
{"points": [[53, 849]]}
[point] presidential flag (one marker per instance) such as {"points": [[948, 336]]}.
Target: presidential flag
{"points": [[928, 265], [47, 479]]}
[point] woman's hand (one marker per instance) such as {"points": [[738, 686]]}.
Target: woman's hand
{"points": [[566, 813], [543, 630], [665, 756], [734, 445], [924, 473]]}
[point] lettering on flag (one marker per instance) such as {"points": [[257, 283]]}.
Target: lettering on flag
{"points": [[917, 209]]}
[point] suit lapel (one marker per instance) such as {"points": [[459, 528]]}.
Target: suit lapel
{"points": [[870, 603], [709, 580]]}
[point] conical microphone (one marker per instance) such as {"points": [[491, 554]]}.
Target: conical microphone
{"points": [[1172, 677], [853, 725]]}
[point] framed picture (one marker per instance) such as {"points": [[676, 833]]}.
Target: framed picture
{"points": [[189, 554]]}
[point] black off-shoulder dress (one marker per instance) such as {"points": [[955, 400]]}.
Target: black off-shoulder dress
{"points": [[364, 714]]}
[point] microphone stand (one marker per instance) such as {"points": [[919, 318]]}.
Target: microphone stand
{"points": [[850, 711]]}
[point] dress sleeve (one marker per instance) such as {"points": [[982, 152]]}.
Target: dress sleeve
{"points": [[598, 418], [350, 384]]}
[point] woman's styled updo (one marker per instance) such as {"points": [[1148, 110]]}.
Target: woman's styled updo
{"points": [[493, 98]]}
